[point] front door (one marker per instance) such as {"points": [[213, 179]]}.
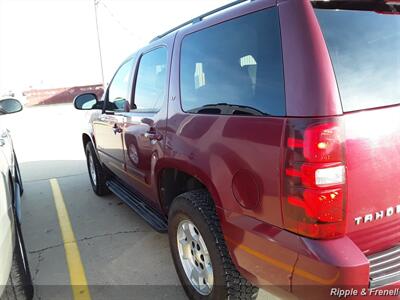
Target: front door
{"points": [[144, 126], [108, 127]]}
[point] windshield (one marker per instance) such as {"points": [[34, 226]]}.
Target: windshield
{"points": [[365, 51]]}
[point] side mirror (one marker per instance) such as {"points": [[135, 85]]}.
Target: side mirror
{"points": [[86, 101], [10, 106], [127, 106]]}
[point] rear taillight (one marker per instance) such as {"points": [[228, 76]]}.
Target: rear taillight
{"points": [[314, 178]]}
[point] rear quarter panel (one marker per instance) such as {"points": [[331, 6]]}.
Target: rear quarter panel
{"points": [[216, 149], [219, 146]]}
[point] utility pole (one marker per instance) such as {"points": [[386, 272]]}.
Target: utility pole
{"points": [[96, 2]]}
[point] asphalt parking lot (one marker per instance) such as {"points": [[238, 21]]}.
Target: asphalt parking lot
{"points": [[121, 256]]}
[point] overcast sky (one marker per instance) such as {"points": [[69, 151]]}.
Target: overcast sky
{"points": [[53, 43]]}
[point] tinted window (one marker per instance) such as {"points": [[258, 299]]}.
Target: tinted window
{"points": [[118, 91], [234, 67], [365, 51], [150, 88]]}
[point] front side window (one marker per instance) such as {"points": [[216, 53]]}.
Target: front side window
{"points": [[118, 91], [150, 90], [234, 67]]}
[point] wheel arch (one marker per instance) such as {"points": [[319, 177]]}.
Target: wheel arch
{"points": [[86, 138], [175, 177]]}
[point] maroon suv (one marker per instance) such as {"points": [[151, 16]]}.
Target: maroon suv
{"points": [[264, 137]]}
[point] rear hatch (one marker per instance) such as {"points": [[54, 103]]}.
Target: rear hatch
{"points": [[363, 39]]}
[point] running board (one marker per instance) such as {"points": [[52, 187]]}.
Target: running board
{"points": [[149, 214]]}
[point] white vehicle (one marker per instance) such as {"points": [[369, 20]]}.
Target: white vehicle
{"points": [[15, 278]]}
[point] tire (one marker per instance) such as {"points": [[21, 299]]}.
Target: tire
{"points": [[18, 176], [19, 285], [225, 282], [96, 172]]}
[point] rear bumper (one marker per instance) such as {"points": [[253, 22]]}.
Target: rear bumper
{"points": [[292, 266], [338, 266]]}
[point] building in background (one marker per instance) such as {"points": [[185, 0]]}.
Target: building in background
{"points": [[59, 95]]}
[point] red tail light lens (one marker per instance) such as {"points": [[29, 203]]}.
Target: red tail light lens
{"points": [[314, 180], [324, 206], [322, 143]]}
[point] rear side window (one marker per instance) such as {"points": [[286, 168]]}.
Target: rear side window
{"points": [[365, 50], [234, 67]]}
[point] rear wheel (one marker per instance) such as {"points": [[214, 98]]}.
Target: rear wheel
{"points": [[96, 172], [198, 249], [19, 285]]}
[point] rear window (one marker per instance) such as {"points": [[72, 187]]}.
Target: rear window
{"points": [[234, 68], [365, 51]]}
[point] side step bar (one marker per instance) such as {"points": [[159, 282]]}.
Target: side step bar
{"points": [[149, 214]]}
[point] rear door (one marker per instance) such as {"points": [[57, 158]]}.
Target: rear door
{"points": [[364, 44], [144, 126], [108, 127]]}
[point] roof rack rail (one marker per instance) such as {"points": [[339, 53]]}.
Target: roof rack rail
{"points": [[200, 18]]}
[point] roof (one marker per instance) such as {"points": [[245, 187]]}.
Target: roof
{"points": [[200, 18]]}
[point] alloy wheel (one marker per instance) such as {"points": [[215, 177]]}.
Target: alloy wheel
{"points": [[194, 257], [92, 169]]}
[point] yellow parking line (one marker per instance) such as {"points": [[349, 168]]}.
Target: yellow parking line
{"points": [[77, 275]]}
